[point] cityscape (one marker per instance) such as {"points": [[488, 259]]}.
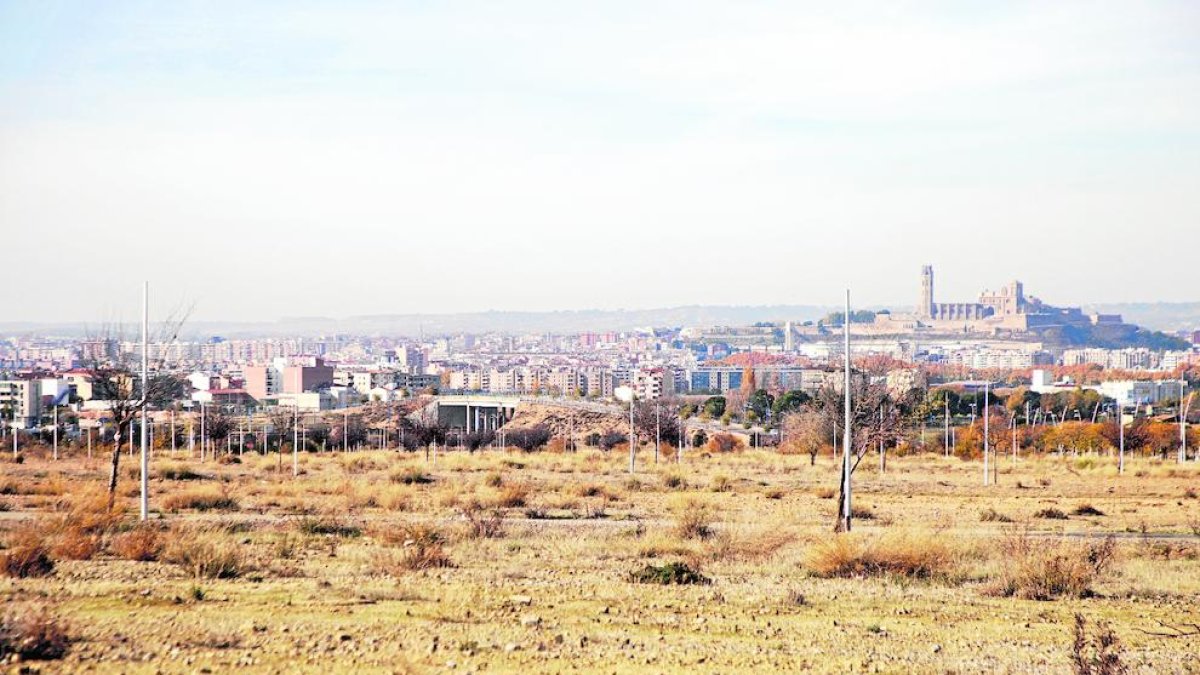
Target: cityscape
{"points": [[357, 337]]}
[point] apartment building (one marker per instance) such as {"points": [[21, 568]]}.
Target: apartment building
{"points": [[21, 402]]}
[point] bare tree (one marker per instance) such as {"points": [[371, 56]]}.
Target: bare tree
{"points": [[874, 418], [806, 430], [116, 381]]}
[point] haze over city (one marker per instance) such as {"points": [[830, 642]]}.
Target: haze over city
{"points": [[311, 159], [616, 337]]}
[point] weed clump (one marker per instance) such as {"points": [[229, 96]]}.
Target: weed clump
{"points": [[675, 573], [1087, 510], [327, 527], [1045, 569], [906, 555], [423, 548], [27, 554], [410, 475], [34, 636], [207, 553], [693, 520], [1050, 514], [991, 515], [482, 523], [1098, 654], [205, 499], [141, 544]]}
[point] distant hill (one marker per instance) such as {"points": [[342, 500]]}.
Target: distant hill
{"points": [[1164, 316]]}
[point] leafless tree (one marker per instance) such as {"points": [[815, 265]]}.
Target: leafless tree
{"points": [[874, 418], [116, 380], [806, 430]]}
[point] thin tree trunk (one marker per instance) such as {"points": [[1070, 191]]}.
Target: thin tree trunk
{"points": [[116, 461]]}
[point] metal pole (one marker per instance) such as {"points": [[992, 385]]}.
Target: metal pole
{"points": [[145, 500], [56, 432], [947, 431], [1121, 435], [657, 429], [296, 440], [1182, 424], [89, 442], [986, 400], [846, 430], [345, 431], [202, 416], [172, 429], [632, 434]]}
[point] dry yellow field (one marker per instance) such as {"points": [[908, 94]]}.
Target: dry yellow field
{"points": [[506, 561]]}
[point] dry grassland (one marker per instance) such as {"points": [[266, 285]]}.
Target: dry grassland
{"points": [[547, 562]]}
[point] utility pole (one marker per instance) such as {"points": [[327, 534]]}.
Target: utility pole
{"points": [[346, 431], [846, 431], [1121, 436], [632, 433], [657, 429], [1183, 411], [202, 416], [56, 429], [947, 421], [296, 440], [145, 500], [987, 391]]}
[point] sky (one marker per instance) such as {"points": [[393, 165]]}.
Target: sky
{"points": [[267, 159]]}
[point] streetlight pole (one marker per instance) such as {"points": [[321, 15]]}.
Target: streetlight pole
{"points": [[986, 400], [657, 429], [846, 431], [296, 439], [145, 478], [632, 434], [1121, 436]]}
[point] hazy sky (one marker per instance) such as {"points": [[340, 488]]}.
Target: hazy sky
{"points": [[292, 158]]}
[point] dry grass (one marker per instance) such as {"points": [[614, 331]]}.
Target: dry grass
{"points": [[32, 635], [693, 519], [422, 548], [142, 544], [1037, 568], [200, 499], [918, 555], [27, 554], [205, 552]]}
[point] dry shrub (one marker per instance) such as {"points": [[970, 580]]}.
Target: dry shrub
{"points": [[423, 548], [359, 463], [513, 496], [1087, 510], [410, 475], [1099, 654], [596, 490], [674, 481], [1050, 513], [825, 492], [905, 554], [32, 636], [201, 499], [751, 547], [482, 523], [721, 483], [28, 554], [693, 519], [1040, 568], [73, 543], [142, 544], [178, 471], [990, 515], [722, 442], [395, 499], [206, 552]]}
